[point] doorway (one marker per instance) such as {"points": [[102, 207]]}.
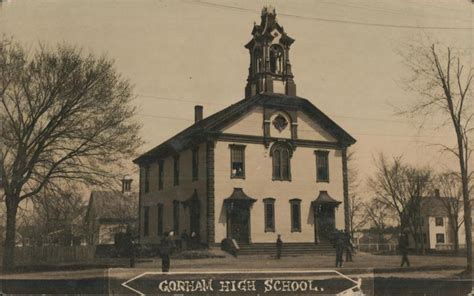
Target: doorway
{"points": [[195, 217], [238, 223], [324, 222]]}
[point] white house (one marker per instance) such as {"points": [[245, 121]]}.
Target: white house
{"points": [[437, 233]]}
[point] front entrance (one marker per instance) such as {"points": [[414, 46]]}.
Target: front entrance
{"points": [[195, 217], [325, 222], [238, 223]]}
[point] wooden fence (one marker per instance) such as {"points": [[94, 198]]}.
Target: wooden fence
{"points": [[53, 255], [375, 247]]}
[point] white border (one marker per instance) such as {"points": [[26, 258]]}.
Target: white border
{"points": [[357, 283]]}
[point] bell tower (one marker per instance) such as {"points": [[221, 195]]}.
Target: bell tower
{"points": [[270, 68]]}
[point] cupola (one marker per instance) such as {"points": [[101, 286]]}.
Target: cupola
{"points": [[270, 67]]}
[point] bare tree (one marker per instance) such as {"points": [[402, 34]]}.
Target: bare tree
{"points": [[450, 195], [401, 187], [57, 214], [444, 87], [356, 208], [65, 117], [377, 214]]}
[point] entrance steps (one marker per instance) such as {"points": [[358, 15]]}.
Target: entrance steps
{"points": [[289, 249]]}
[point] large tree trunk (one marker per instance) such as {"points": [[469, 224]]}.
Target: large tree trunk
{"points": [[422, 240], [466, 201], [9, 245], [456, 242], [468, 228], [415, 240]]}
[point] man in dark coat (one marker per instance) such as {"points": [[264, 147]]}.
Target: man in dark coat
{"points": [[129, 245], [348, 246], [339, 248], [279, 246], [403, 246], [184, 240], [166, 247]]}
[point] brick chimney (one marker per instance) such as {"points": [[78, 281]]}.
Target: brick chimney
{"points": [[127, 185], [198, 113]]}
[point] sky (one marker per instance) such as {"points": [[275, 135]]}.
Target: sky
{"points": [[346, 59]]}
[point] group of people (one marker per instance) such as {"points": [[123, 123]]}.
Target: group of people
{"points": [[342, 241]]}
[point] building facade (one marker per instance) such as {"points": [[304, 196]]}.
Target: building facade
{"points": [[272, 163], [437, 231], [110, 213]]}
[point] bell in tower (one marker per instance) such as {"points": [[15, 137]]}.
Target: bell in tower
{"points": [[270, 68]]}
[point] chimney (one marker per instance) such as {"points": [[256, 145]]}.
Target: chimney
{"points": [[436, 192], [197, 113], [127, 184]]}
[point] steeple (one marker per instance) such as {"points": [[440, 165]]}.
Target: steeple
{"points": [[270, 68]]}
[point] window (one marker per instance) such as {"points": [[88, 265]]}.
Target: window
{"points": [[322, 166], [161, 170], [440, 238], [237, 161], [146, 221], [269, 208], [439, 221], [281, 162], [147, 179], [195, 164], [276, 59], [176, 170], [295, 215], [176, 216], [425, 239], [159, 228], [258, 59]]}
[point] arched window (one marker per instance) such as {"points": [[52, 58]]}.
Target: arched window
{"points": [[281, 154], [276, 59]]}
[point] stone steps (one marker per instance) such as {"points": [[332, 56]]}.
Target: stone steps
{"points": [[288, 249]]}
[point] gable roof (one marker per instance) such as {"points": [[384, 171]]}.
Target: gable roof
{"points": [[433, 206], [211, 125], [112, 206]]}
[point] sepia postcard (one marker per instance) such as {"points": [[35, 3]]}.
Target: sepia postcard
{"points": [[232, 147]]}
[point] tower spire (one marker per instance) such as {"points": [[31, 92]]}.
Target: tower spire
{"points": [[270, 67]]}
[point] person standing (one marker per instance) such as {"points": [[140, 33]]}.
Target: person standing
{"points": [[129, 246], [279, 247], [166, 247], [403, 246], [184, 240], [339, 248], [348, 246], [193, 240]]}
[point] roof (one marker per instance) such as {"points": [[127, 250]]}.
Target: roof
{"points": [[209, 126], [267, 25], [239, 195], [433, 206], [325, 198], [110, 206]]}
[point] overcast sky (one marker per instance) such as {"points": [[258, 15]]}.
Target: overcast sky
{"points": [[183, 52]]}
